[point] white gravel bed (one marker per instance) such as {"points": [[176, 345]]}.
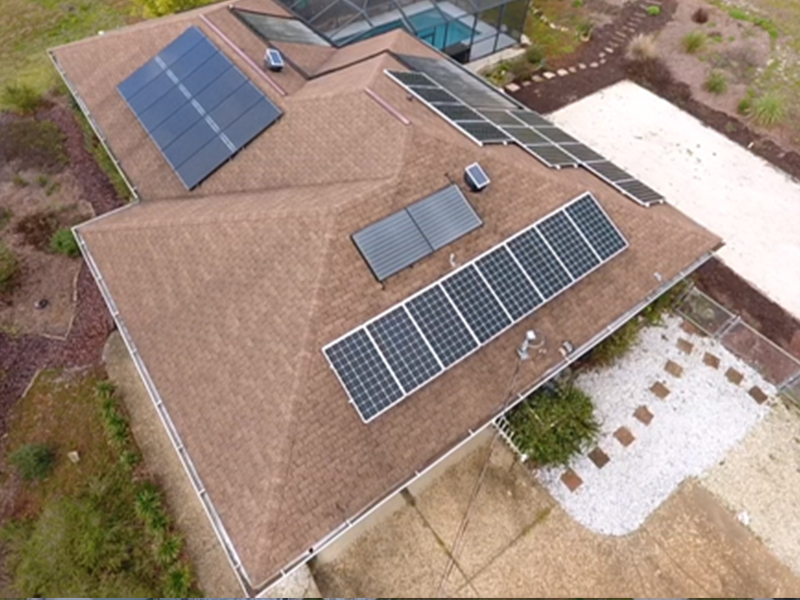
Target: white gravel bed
{"points": [[760, 478], [752, 205], [692, 429]]}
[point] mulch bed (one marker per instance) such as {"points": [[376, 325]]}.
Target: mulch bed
{"points": [[21, 357]]}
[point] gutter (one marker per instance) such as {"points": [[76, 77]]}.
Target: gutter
{"points": [[333, 536]]}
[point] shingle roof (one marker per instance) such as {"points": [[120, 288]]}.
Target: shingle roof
{"points": [[231, 291]]}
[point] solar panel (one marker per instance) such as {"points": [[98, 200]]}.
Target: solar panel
{"points": [[476, 303], [552, 156], [280, 29], [554, 134], [609, 171], [640, 192], [391, 244], [596, 226], [197, 107], [582, 152], [530, 118], [363, 373], [417, 339], [441, 325], [274, 59], [444, 216], [431, 94], [526, 136], [409, 78], [404, 349], [509, 283], [568, 244], [458, 112], [539, 263], [476, 177], [500, 117], [483, 131]]}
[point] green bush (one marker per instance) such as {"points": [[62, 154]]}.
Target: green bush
{"points": [[64, 242], [33, 461], [745, 106], [179, 582], [653, 10], [769, 109], [616, 345], [9, 267], [716, 83], [553, 425], [534, 54], [521, 69], [20, 98], [653, 313], [170, 549], [693, 42]]}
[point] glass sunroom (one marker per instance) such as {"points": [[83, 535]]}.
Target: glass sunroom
{"points": [[464, 29]]}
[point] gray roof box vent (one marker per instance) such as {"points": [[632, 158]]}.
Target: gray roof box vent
{"points": [[475, 177], [274, 60]]}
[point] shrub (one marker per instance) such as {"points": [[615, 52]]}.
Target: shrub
{"points": [[642, 47], [585, 28], [716, 83], [745, 106], [653, 10], [64, 242], [554, 424], [179, 582], [700, 16], [693, 42], [534, 54], [21, 98], [9, 267], [616, 345], [170, 549], [522, 69], [769, 109], [33, 461], [34, 144]]}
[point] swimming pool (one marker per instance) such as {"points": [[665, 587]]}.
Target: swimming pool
{"points": [[430, 26]]}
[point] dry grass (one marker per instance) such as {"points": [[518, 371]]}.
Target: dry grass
{"points": [[642, 47]]}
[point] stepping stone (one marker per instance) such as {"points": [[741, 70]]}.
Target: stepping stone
{"points": [[602, 61], [685, 346], [690, 328], [660, 390], [601, 55], [758, 395], [538, 78], [549, 74], [572, 69], [599, 458], [643, 414], [512, 87], [609, 50], [562, 72], [624, 436], [593, 65], [581, 66], [571, 480], [711, 360], [673, 368], [526, 83], [734, 376]]}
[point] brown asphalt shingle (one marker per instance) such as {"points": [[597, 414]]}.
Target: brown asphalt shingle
{"points": [[230, 292]]}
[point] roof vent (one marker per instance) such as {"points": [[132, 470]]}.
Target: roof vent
{"points": [[475, 177], [273, 60]]}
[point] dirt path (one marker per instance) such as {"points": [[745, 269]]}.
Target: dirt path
{"points": [[520, 543]]}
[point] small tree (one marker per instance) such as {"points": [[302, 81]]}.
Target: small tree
{"points": [[34, 461]]}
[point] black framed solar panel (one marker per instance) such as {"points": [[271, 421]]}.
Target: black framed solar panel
{"points": [[483, 131], [410, 78], [391, 244], [404, 348], [509, 283], [197, 107], [554, 134], [568, 244], [458, 112], [642, 193], [500, 117], [444, 216], [363, 373], [595, 225], [609, 171], [552, 156], [441, 325], [527, 137], [539, 262], [431, 94], [528, 117], [582, 152], [476, 303]]}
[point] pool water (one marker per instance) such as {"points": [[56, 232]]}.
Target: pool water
{"points": [[430, 26]]}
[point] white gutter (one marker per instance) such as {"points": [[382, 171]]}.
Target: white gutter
{"points": [[544, 378]]}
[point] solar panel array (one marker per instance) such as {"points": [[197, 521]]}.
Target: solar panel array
{"points": [[539, 137], [196, 106], [409, 235], [394, 354]]}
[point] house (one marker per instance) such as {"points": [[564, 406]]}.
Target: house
{"points": [[273, 280]]}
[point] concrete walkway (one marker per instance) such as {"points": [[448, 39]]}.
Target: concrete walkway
{"points": [[519, 542]]}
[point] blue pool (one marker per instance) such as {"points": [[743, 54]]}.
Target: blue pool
{"points": [[430, 26]]}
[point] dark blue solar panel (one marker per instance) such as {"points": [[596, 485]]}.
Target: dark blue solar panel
{"points": [[539, 263], [509, 283], [571, 248], [364, 374], [476, 303], [596, 226], [197, 106], [404, 349], [441, 325]]}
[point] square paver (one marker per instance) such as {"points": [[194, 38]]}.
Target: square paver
{"points": [[624, 436], [660, 390], [734, 376], [685, 346], [690, 327], [758, 394], [571, 479], [643, 414], [673, 368], [599, 458], [712, 360]]}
